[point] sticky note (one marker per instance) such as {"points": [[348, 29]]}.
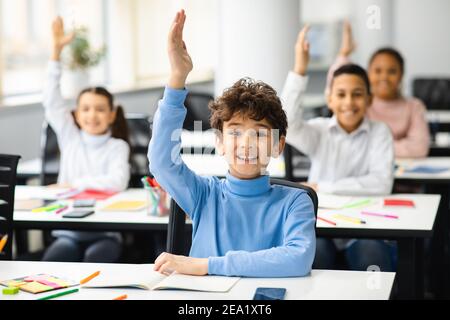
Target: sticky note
{"points": [[35, 287], [124, 205], [11, 290]]}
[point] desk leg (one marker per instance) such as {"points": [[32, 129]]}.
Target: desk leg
{"points": [[410, 273], [439, 246], [21, 237]]}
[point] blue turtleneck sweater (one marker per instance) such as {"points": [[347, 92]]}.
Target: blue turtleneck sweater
{"points": [[244, 227]]}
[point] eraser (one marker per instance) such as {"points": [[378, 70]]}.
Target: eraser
{"points": [[11, 290]]}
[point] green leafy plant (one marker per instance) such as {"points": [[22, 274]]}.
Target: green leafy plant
{"points": [[81, 56]]}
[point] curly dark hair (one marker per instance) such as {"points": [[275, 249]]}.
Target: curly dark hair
{"points": [[250, 98]]}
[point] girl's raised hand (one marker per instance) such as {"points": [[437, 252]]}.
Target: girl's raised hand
{"points": [[60, 39], [301, 52], [180, 61], [347, 44]]}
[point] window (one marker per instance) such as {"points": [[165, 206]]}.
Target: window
{"points": [[133, 31]]}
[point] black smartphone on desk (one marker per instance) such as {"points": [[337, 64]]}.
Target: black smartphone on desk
{"points": [[269, 294], [78, 214], [84, 203]]}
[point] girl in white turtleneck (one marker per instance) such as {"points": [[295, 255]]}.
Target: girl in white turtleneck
{"points": [[94, 154]]}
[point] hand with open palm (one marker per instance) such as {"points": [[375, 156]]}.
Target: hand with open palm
{"points": [[301, 52], [60, 38], [180, 61]]}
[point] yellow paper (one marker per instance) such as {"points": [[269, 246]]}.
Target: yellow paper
{"points": [[125, 205], [35, 287]]}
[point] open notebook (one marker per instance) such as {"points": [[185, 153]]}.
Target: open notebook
{"points": [[143, 277]]}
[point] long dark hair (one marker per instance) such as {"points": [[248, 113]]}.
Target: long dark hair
{"points": [[119, 128]]}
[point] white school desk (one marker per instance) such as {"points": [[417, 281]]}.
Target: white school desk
{"points": [[434, 183], [321, 284], [411, 228], [401, 173], [100, 220], [439, 116], [413, 225]]}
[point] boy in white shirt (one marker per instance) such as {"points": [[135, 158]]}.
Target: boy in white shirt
{"points": [[349, 153]]}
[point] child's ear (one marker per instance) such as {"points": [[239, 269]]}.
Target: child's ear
{"points": [[278, 147], [112, 116], [220, 148], [329, 101], [369, 100]]}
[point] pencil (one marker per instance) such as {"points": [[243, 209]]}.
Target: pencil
{"points": [[327, 221], [122, 297], [376, 214], [83, 281], [349, 219], [3, 242], [59, 294], [61, 209]]}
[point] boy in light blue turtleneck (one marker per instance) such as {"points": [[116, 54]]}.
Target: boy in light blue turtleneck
{"points": [[242, 225]]}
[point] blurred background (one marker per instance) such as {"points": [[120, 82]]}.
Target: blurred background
{"points": [[227, 39]]}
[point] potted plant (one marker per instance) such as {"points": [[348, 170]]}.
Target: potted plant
{"points": [[80, 57]]}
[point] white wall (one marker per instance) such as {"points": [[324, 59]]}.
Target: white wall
{"points": [[256, 38], [422, 35]]}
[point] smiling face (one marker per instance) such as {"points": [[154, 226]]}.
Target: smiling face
{"points": [[94, 115], [247, 145], [385, 75], [349, 100]]}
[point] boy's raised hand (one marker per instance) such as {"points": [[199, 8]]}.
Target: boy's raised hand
{"points": [[60, 39], [301, 52], [347, 44], [180, 61]]}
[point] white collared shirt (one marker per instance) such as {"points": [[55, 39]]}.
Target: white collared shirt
{"points": [[360, 162]]}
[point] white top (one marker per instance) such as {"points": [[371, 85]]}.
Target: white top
{"points": [[361, 162], [321, 284], [87, 161]]}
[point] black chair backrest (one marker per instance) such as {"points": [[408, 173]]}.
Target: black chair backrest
{"points": [[294, 159], [197, 110], [434, 92], [8, 175], [49, 155], [139, 136], [177, 237]]}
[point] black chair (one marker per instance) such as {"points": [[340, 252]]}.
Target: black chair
{"points": [[139, 136], [294, 159], [197, 110], [8, 175], [178, 239], [49, 155], [434, 92]]}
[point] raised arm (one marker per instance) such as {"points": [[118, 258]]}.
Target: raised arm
{"points": [[180, 61], [59, 38], [347, 48], [164, 150], [300, 134], [57, 113]]}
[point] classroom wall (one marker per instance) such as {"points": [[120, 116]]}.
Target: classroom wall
{"points": [[422, 34]]}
